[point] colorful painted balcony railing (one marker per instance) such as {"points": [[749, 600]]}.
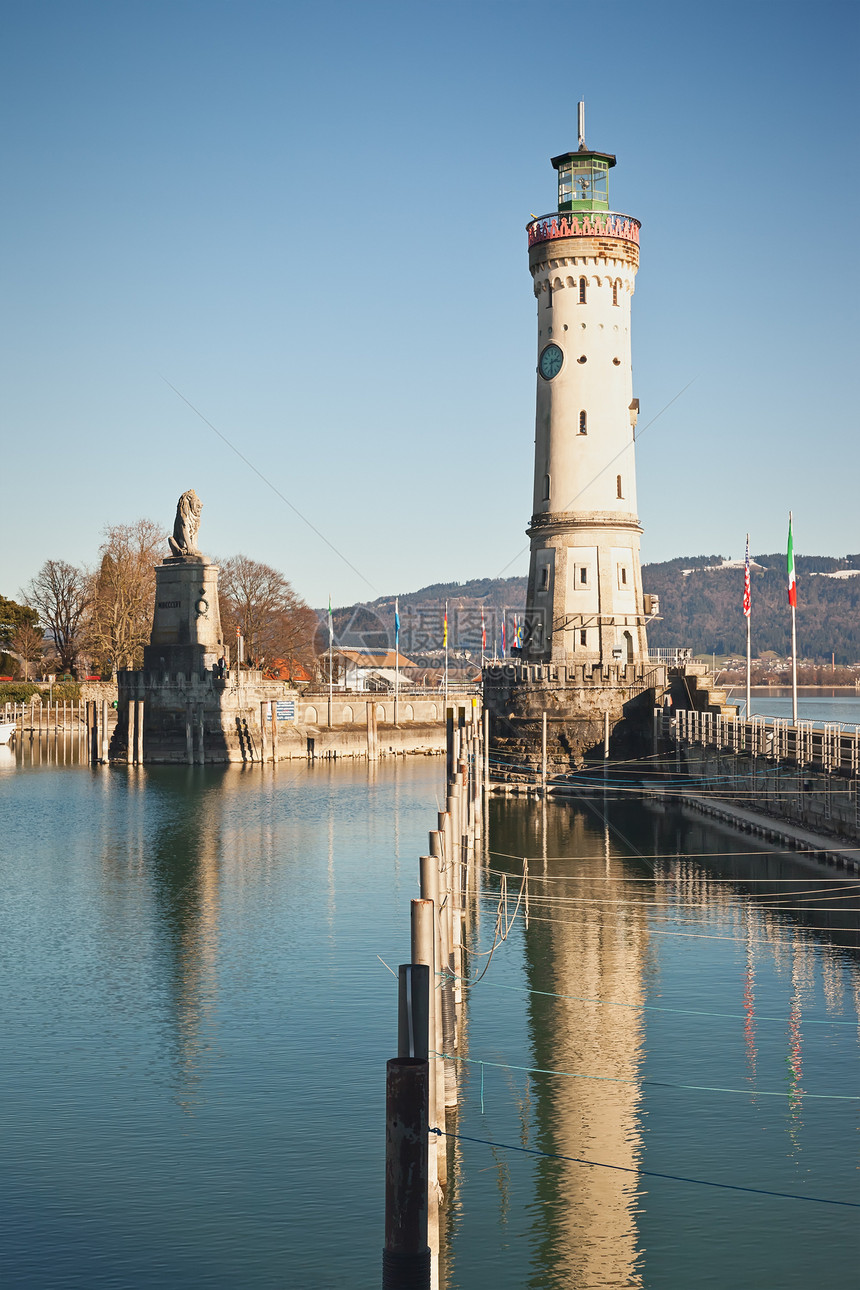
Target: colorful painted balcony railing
{"points": [[583, 224]]}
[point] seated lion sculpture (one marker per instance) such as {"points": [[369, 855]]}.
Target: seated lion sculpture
{"points": [[186, 525]]}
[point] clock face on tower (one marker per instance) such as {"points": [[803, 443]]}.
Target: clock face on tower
{"points": [[550, 362]]}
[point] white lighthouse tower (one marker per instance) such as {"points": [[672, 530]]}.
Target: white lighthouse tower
{"points": [[585, 603], [581, 676]]}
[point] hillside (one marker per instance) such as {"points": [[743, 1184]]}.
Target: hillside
{"points": [[704, 608], [700, 607]]}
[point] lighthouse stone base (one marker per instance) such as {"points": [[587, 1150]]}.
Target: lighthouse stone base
{"points": [[576, 699]]}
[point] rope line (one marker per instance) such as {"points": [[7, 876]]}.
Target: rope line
{"points": [[652, 1007], [654, 1083], [645, 1173]]}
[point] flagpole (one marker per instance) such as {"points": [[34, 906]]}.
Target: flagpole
{"points": [[396, 655], [792, 597], [446, 651], [747, 710], [747, 608], [330, 664], [793, 666]]}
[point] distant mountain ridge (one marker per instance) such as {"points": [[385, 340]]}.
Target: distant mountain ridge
{"points": [[701, 606]]}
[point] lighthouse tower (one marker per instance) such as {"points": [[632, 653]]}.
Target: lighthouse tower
{"points": [[585, 603]]}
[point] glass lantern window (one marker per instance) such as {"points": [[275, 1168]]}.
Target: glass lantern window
{"points": [[583, 185]]}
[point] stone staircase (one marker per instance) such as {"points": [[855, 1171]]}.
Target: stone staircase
{"points": [[693, 685]]}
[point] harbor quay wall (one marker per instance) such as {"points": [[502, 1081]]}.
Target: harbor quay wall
{"points": [[198, 716], [806, 796]]}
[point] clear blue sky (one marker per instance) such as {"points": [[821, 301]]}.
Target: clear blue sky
{"points": [[310, 221]]}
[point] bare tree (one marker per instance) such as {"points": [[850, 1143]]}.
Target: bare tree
{"points": [[261, 603], [27, 642], [62, 595], [123, 593]]}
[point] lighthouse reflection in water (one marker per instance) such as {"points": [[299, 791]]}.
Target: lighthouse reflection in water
{"points": [[667, 979]]}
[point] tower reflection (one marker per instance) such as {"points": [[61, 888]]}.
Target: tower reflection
{"points": [[185, 868], [585, 1218]]}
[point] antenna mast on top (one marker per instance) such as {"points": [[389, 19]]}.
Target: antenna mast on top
{"points": [[580, 113]]}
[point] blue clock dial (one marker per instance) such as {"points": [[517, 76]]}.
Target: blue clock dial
{"points": [[550, 362]]}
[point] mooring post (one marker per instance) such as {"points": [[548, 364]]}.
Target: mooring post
{"points": [[371, 714], [449, 743], [453, 808], [189, 734], [543, 755], [413, 1010], [486, 750], [104, 747], [140, 732], [424, 956], [262, 731], [406, 1260], [274, 732], [429, 876]]}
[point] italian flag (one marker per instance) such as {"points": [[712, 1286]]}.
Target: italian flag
{"points": [[792, 581]]}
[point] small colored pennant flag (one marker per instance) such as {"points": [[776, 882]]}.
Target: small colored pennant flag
{"points": [[330, 624], [445, 628], [396, 625], [504, 636], [792, 581], [483, 630], [747, 602]]}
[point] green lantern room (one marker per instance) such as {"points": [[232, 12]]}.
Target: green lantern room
{"points": [[583, 180]]}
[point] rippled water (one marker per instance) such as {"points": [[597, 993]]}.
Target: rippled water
{"points": [[195, 1025]]}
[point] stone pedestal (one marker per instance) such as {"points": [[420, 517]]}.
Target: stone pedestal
{"points": [[186, 625]]}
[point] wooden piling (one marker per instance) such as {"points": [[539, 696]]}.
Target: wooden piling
{"points": [[139, 753], [263, 730], [406, 1260], [543, 755], [429, 880], [274, 732], [423, 928]]}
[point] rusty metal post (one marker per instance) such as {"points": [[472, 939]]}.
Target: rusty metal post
{"points": [[406, 1256]]}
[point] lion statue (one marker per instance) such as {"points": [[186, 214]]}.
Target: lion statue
{"points": [[186, 525]]}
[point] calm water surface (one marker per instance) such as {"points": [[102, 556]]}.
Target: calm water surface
{"points": [[818, 705], [196, 1023]]}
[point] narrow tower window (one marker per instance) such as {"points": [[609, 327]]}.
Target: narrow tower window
{"points": [[583, 423], [582, 291], [615, 293], [549, 295], [544, 577], [583, 575], [583, 637], [618, 486], [546, 488]]}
